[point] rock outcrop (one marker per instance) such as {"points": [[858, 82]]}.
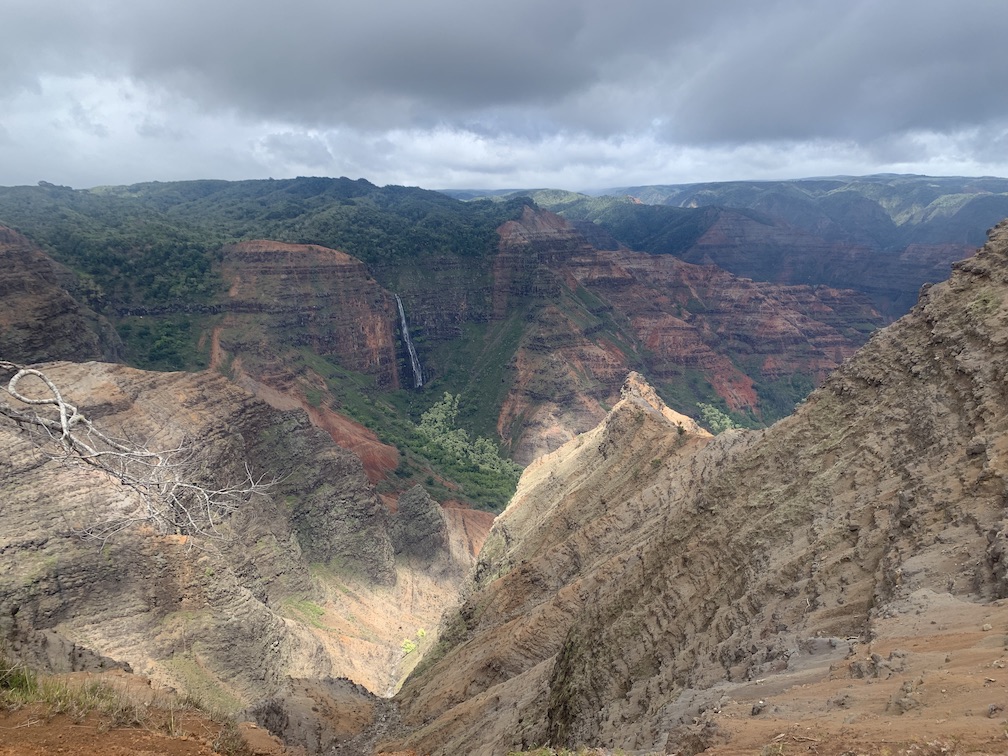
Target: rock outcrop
{"points": [[646, 573], [419, 527], [304, 585], [39, 317], [593, 315]]}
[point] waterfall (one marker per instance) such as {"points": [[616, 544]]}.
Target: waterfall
{"points": [[414, 360]]}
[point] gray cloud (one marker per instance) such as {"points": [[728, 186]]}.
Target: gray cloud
{"points": [[449, 91]]}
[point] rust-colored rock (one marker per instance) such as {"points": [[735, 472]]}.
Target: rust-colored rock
{"points": [[304, 296], [594, 315]]}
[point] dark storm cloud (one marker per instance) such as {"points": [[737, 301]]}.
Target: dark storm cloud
{"points": [[389, 63], [858, 70], [722, 71], [302, 80]]}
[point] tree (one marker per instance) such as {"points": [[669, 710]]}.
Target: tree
{"points": [[716, 420], [170, 495]]}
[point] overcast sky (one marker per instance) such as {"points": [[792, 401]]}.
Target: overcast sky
{"points": [[578, 94]]}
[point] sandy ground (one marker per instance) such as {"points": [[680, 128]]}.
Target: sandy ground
{"points": [[934, 680]]}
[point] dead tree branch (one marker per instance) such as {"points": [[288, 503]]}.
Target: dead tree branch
{"points": [[173, 496]]}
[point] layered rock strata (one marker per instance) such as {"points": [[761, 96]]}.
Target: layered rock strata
{"points": [[302, 585], [40, 319], [644, 573], [593, 315]]}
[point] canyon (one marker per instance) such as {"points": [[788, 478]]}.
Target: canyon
{"points": [[835, 579], [650, 586]]}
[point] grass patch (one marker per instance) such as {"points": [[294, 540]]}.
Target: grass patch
{"points": [[984, 303], [110, 705], [201, 686], [307, 611]]}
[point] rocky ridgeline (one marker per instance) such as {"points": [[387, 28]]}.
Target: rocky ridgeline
{"points": [[774, 246], [645, 573], [228, 621]]}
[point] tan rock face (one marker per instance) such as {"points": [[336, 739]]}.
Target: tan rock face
{"points": [[644, 580], [304, 586]]}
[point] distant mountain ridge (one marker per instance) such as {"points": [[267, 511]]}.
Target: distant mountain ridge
{"points": [[888, 210], [883, 235], [531, 318]]}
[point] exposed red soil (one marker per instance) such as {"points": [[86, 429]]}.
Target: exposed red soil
{"points": [[379, 459], [166, 727], [31, 731]]}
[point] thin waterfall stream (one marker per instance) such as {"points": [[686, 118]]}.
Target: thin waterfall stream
{"points": [[414, 360]]}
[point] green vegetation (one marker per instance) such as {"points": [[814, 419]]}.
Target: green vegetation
{"points": [[476, 464], [659, 229], [477, 367], [129, 254], [685, 389], [308, 611], [170, 342], [369, 222], [984, 303], [715, 419], [435, 450], [778, 398], [409, 645], [20, 686], [148, 256]]}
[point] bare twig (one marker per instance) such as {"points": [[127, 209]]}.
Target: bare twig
{"points": [[171, 494]]}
